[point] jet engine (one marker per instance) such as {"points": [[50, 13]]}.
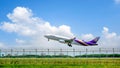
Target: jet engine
{"points": [[61, 41]]}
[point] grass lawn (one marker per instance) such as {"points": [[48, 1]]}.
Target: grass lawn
{"points": [[59, 62]]}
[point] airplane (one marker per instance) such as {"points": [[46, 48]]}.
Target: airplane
{"points": [[70, 41]]}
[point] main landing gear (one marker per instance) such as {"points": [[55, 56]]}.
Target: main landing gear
{"points": [[69, 44]]}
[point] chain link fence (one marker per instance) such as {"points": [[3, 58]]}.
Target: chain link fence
{"points": [[57, 53]]}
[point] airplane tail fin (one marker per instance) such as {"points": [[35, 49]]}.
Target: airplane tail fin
{"points": [[95, 40]]}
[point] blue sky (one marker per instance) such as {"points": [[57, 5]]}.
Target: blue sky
{"points": [[84, 17], [86, 14]]}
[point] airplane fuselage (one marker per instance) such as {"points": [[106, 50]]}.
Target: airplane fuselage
{"points": [[70, 41]]}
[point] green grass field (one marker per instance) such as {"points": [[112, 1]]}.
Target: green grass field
{"points": [[59, 62]]}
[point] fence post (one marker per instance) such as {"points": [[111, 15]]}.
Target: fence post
{"points": [[100, 52], [86, 52], [11, 53], [48, 52], [42, 53], [36, 53], [0, 53], [113, 52], [17, 53], [54, 52], [61, 52], [73, 52], [93, 54], [80, 54], [106, 53], [23, 52], [6, 53], [29, 52], [67, 52]]}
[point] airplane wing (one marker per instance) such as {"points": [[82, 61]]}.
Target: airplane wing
{"points": [[65, 40], [68, 41]]}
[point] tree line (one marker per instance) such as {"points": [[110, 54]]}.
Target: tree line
{"points": [[63, 56]]}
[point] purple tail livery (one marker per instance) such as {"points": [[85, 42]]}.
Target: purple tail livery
{"points": [[93, 42]]}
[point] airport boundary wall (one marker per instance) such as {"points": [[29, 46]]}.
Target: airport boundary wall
{"points": [[61, 53]]}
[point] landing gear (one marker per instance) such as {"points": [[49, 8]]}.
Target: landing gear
{"points": [[69, 44]]}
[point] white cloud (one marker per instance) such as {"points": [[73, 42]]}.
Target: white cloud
{"points": [[23, 23], [18, 28], [2, 45], [107, 34], [21, 15], [19, 41], [110, 39], [107, 40], [87, 36], [117, 1], [33, 29]]}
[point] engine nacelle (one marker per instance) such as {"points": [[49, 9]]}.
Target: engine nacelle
{"points": [[61, 41]]}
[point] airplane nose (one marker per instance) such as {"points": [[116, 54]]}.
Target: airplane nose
{"points": [[45, 36]]}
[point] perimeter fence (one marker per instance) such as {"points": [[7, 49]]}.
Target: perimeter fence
{"points": [[60, 53]]}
